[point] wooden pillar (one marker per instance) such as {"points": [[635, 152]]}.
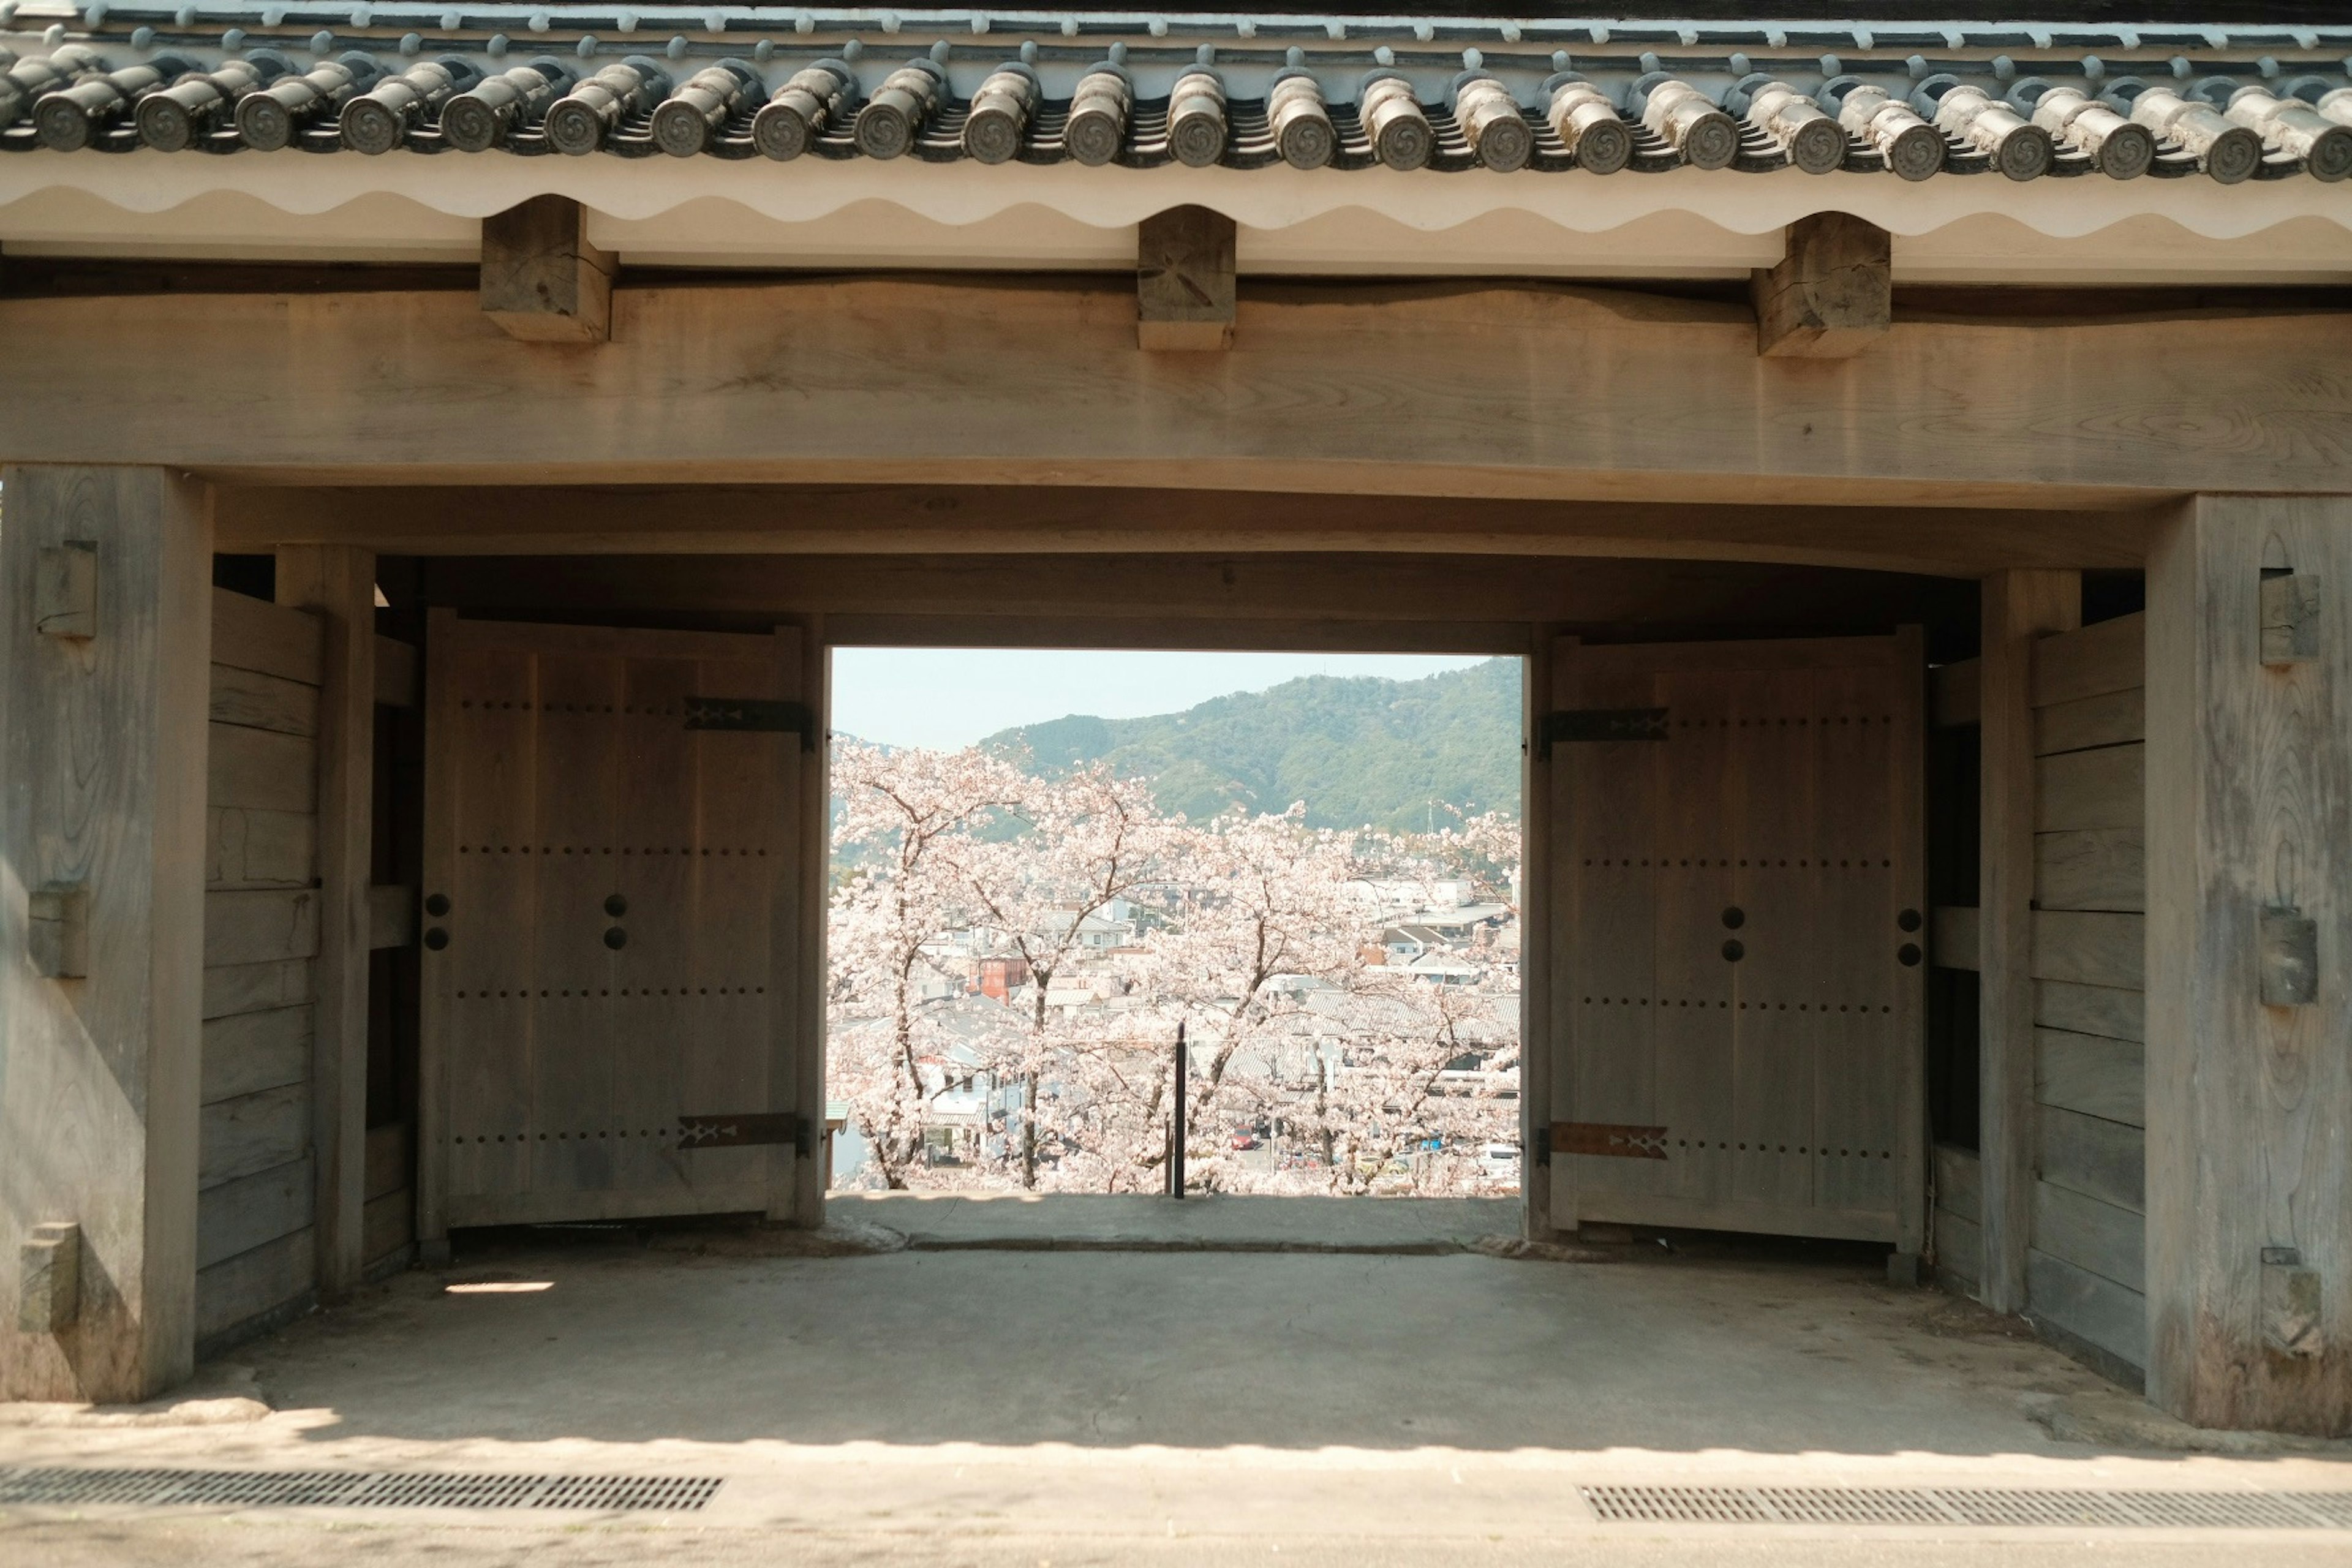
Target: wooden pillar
{"points": [[105, 650], [1537, 1045], [2018, 607], [1832, 296], [2250, 964], [338, 583], [816, 824]]}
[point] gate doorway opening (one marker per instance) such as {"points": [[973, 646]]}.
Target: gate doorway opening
{"points": [[1051, 867]]}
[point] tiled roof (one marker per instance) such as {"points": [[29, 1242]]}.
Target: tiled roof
{"points": [[1139, 90]]}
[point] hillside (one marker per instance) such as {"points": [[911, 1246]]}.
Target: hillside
{"points": [[1357, 750]]}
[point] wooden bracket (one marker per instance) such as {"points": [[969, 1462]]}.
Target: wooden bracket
{"points": [[64, 590], [49, 1279], [57, 930], [1184, 280], [1834, 293], [541, 280]]}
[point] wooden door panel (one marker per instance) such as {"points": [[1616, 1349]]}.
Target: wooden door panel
{"points": [[1785, 1079], [614, 879]]}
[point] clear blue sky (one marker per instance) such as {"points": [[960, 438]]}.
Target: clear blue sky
{"points": [[951, 696]]}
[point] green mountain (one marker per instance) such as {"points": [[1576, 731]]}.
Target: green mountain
{"points": [[1360, 751]]}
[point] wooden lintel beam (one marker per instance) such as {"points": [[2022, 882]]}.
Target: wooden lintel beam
{"points": [[1832, 296], [1470, 389], [1184, 280], [541, 279], [1076, 520]]}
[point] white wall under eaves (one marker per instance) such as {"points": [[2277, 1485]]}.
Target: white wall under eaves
{"points": [[811, 213]]}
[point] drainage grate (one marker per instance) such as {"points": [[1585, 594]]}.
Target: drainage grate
{"points": [[354, 1489], [2064, 1510]]}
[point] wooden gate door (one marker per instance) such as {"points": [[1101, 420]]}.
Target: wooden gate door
{"points": [[1737, 983], [612, 917]]}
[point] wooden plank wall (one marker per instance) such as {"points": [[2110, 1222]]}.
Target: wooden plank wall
{"points": [[2086, 1272], [254, 1253]]}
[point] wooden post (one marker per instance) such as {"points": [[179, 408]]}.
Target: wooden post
{"points": [[338, 582], [2018, 607], [541, 280], [2249, 843], [1832, 296], [1537, 1044], [1184, 280], [816, 824], [103, 757]]}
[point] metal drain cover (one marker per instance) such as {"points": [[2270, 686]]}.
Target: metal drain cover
{"points": [[354, 1489], [2074, 1508]]}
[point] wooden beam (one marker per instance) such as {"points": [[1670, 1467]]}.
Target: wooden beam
{"points": [[2018, 607], [1542, 392], [542, 282], [2249, 1180], [99, 1073], [953, 519], [1162, 593], [806, 961], [1832, 296], [337, 583], [1184, 280]]}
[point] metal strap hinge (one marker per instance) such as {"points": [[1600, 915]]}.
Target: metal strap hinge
{"points": [[1609, 1138], [753, 1129], [1588, 724], [758, 715]]}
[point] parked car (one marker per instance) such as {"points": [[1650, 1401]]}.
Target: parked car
{"points": [[1246, 1141]]}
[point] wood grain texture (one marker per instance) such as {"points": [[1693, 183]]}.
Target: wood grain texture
{"points": [[1379, 388], [2105, 868], [237, 1217], [1959, 1185], [944, 519], [256, 988], [258, 926], [2108, 1241], [262, 701], [2082, 790], [255, 635], [253, 1284], [1541, 957], [336, 583], [388, 1158], [397, 680], [2022, 613], [2092, 1074], [542, 280], [2117, 1014], [246, 1052], [101, 745], [2090, 949], [386, 1227], [254, 1133], [2250, 807], [1184, 280], [1832, 296], [245, 849], [2101, 1159], [2107, 718], [2110, 1316], [2108, 657], [260, 770]]}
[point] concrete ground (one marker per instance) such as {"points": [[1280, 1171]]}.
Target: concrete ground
{"points": [[1157, 1407], [1004, 1220]]}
